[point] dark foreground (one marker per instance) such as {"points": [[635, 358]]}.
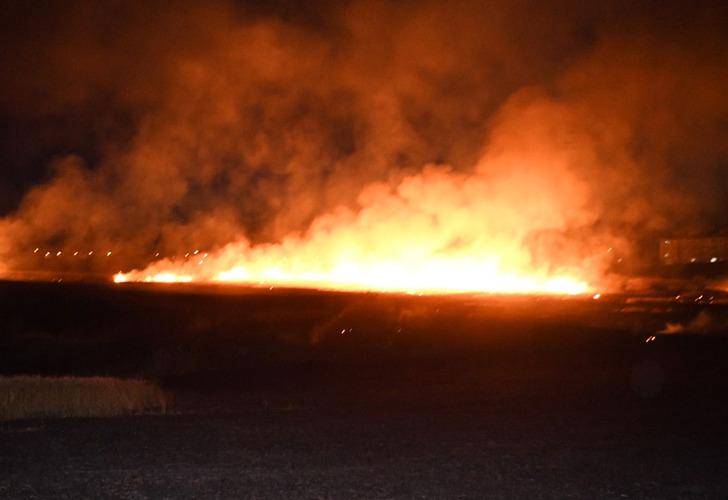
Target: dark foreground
{"points": [[298, 394]]}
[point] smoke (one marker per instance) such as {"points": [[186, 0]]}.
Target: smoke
{"points": [[702, 324], [557, 131]]}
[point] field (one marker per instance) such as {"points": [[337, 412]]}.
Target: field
{"points": [[24, 397], [289, 393]]}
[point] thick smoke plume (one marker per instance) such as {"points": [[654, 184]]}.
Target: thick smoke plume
{"points": [[558, 131]]}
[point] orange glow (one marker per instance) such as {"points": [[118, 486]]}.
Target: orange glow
{"points": [[446, 275], [437, 232], [155, 278]]}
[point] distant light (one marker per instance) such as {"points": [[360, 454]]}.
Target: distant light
{"points": [[36, 250], [649, 339], [693, 259], [609, 249], [91, 252], [108, 254], [667, 255], [667, 242], [58, 253], [75, 253], [713, 260], [196, 252], [597, 296], [187, 254], [47, 254]]}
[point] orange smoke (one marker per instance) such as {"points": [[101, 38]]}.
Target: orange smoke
{"points": [[520, 221], [294, 149]]}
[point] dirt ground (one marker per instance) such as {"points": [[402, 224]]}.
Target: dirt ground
{"points": [[422, 398], [467, 451]]}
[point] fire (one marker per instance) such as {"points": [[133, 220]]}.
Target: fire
{"points": [[162, 277], [442, 275], [437, 232]]}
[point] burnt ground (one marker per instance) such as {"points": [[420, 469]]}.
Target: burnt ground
{"points": [[321, 395]]}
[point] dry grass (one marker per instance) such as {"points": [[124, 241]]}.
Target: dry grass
{"points": [[30, 397]]}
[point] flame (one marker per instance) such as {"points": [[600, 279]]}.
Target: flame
{"points": [[445, 275], [436, 233], [162, 277]]}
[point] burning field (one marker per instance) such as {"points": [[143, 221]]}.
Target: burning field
{"points": [[493, 231], [410, 147]]}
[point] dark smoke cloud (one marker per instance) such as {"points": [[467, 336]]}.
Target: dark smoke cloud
{"points": [[163, 128]]}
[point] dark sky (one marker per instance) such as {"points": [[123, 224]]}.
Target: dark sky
{"points": [[144, 121]]}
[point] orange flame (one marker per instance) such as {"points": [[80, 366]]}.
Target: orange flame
{"points": [[438, 232], [436, 275]]}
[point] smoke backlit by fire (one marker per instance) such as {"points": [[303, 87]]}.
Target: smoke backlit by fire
{"points": [[416, 146]]}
